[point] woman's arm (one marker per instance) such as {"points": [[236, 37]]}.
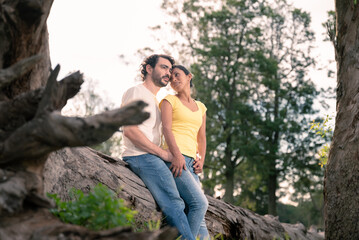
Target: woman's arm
{"points": [[202, 144], [178, 161]]}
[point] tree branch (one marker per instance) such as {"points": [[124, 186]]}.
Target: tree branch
{"points": [[17, 70], [51, 131], [24, 106], [50, 96]]}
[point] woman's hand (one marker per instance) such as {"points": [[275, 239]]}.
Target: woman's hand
{"points": [[198, 164], [178, 163]]}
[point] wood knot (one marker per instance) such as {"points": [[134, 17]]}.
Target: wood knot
{"points": [[30, 11]]}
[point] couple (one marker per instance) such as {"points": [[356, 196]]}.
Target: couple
{"points": [[169, 171]]}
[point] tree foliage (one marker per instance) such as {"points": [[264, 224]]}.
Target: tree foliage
{"points": [[250, 59]]}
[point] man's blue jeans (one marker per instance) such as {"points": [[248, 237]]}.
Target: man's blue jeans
{"points": [[189, 188], [160, 182]]}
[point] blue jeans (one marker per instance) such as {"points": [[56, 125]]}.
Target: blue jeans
{"points": [[189, 188], [203, 231], [160, 182]]}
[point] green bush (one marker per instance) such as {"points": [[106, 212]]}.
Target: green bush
{"points": [[98, 210]]}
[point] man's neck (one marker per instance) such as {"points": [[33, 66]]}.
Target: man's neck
{"points": [[148, 83]]}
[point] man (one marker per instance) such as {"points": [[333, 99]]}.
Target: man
{"points": [[142, 144]]}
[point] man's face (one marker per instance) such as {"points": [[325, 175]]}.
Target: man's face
{"points": [[162, 72]]}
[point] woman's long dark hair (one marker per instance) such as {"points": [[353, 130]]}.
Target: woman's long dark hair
{"points": [[185, 70]]}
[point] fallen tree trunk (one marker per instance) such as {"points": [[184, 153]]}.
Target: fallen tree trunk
{"points": [[83, 168]]}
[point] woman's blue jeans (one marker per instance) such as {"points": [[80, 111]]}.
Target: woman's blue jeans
{"points": [[189, 188], [160, 182]]}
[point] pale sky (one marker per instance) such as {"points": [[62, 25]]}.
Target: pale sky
{"points": [[89, 36]]}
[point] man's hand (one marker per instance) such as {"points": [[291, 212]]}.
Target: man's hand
{"points": [[167, 156], [178, 163], [198, 164]]}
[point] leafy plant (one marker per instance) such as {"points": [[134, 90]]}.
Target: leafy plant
{"points": [[153, 225], [99, 209], [323, 155], [218, 236], [322, 129]]}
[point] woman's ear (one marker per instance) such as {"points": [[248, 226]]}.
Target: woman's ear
{"points": [[189, 76]]}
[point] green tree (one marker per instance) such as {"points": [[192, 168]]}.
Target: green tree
{"points": [[227, 40], [250, 61], [285, 98]]}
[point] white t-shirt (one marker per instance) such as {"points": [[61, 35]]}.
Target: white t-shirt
{"points": [[152, 127]]}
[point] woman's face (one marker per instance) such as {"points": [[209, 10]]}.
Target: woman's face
{"points": [[179, 80]]}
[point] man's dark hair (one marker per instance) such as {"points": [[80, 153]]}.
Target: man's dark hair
{"points": [[152, 61]]}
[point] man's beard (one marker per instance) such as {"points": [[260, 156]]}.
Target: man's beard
{"points": [[157, 80]]}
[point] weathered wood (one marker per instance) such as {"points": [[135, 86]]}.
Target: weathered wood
{"points": [[40, 224], [49, 131], [23, 107], [341, 183], [83, 168], [23, 33], [18, 188], [17, 70]]}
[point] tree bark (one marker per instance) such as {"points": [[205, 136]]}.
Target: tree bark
{"points": [[23, 33], [272, 187], [341, 190], [273, 172], [229, 184]]}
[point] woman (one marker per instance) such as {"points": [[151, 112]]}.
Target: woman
{"points": [[184, 129]]}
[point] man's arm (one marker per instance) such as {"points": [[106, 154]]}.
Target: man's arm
{"points": [[141, 141]]}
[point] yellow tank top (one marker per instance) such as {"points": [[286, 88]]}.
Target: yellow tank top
{"points": [[185, 125]]}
